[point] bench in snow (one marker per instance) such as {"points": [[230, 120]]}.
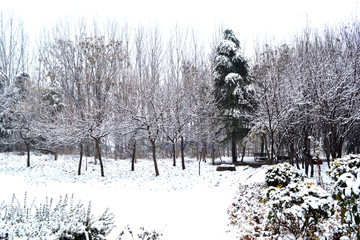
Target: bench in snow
{"points": [[260, 157], [226, 167]]}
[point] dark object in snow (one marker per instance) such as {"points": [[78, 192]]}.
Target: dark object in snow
{"points": [[226, 167], [259, 157]]}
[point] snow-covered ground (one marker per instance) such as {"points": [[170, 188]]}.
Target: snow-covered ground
{"points": [[179, 204]]}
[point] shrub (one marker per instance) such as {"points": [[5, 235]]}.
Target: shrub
{"points": [[297, 209], [142, 234], [65, 221], [247, 212], [282, 174], [346, 174]]}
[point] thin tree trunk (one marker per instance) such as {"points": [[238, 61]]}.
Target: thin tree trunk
{"points": [[96, 155], [182, 152], [174, 153], [115, 151], [327, 151], [227, 149], [272, 148], [213, 154], [28, 154], [339, 146], [154, 157], [133, 157], [80, 161], [98, 152], [204, 151], [243, 153], [201, 154], [233, 148], [306, 152]]}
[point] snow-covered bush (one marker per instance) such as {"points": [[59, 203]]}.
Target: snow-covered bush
{"points": [[346, 174], [142, 234], [248, 214], [282, 174], [65, 220], [298, 209]]}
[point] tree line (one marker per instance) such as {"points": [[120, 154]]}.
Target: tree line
{"points": [[131, 89], [95, 87], [308, 94]]}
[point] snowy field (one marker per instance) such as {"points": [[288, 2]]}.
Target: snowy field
{"points": [[179, 204]]}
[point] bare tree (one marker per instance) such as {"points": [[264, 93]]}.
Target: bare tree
{"points": [[86, 68], [13, 49]]}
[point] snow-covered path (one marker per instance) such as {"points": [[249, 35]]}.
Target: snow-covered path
{"points": [[179, 204]]}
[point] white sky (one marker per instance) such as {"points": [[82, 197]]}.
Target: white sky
{"points": [[249, 19]]}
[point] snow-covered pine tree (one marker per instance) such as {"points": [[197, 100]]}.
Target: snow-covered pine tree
{"points": [[233, 91]]}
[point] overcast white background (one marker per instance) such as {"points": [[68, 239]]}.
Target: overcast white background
{"points": [[249, 19]]}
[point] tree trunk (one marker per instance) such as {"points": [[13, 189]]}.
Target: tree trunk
{"points": [[201, 154], [243, 153], [174, 153], [227, 150], [98, 153], [28, 154], [204, 151], [154, 157], [115, 151], [306, 152], [339, 145], [272, 139], [233, 148], [80, 161], [213, 154], [292, 155], [133, 157], [182, 152], [327, 150]]}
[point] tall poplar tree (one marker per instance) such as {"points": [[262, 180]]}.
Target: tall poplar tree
{"points": [[233, 90]]}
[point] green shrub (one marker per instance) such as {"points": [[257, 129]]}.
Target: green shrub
{"points": [[282, 174], [346, 174], [297, 209]]}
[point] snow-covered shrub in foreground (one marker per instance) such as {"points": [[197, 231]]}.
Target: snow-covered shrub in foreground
{"points": [[346, 174], [298, 209], [247, 212], [65, 220], [282, 174]]}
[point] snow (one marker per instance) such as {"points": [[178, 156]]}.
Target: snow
{"points": [[232, 79], [179, 204], [223, 61], [227, 48]]}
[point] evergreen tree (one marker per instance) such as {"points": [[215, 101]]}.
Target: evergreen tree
{"points": [[233, 90]]}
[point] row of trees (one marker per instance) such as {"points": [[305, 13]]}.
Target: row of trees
{"points": [[132, 89], [116, 87], [308, 94]]}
